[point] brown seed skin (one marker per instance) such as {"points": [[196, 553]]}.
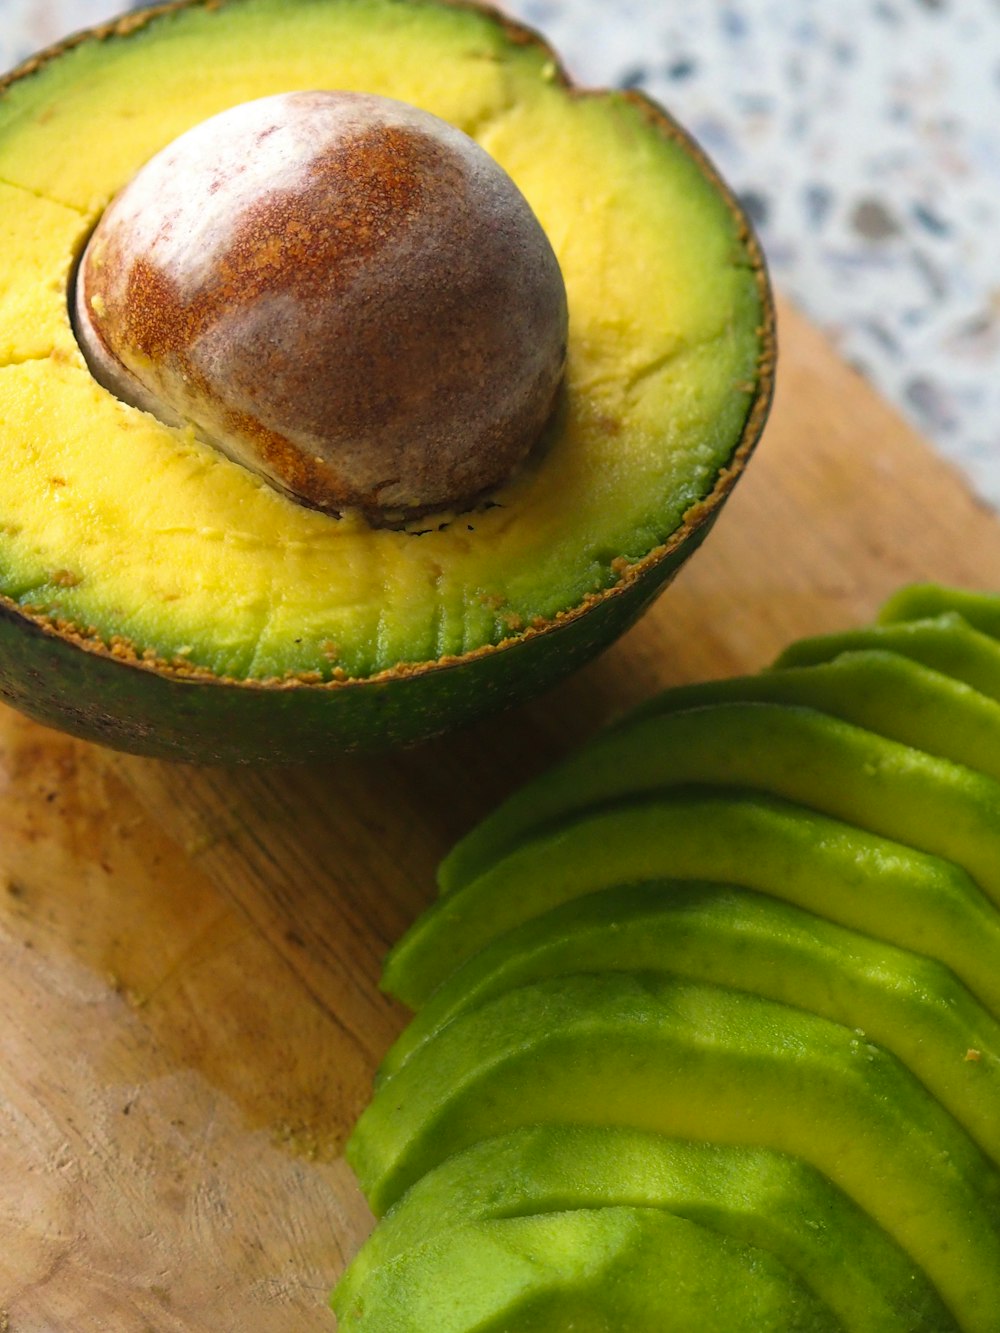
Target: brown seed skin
{"points": [[341, 292]]}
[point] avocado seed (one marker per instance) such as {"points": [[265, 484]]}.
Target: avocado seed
{"points": [[339, 291]]}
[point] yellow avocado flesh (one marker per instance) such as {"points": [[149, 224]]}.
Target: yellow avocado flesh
{"points": [[133, 531]]}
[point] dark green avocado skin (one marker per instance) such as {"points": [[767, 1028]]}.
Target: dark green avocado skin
{"points": [[101, 698]]}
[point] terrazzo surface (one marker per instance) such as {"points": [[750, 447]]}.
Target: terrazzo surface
{"points": [[864, 138]]}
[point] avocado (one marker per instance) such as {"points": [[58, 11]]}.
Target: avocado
{"points": [[922, 903], [888, 693], [713, 933], [158, 596], [755, 915], [946, 644], [700, 1062], [589, 1270], [927, 601], [787, 750], [752, 1195]]}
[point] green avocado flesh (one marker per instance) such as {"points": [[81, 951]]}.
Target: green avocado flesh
{"points": [[735, 960], [769, 1200], [694, 1061], [591, 1271], [828, 867], [946, 644], [144, 542], [911, 1005], [928, 601], [883, 691], [799, 753]]}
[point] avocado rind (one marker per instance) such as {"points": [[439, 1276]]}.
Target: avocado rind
{"points": [[83, 689]]}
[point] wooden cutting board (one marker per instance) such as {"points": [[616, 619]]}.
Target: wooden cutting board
{"points": [[188, 957]]}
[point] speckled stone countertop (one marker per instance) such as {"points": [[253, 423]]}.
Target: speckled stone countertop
{"points": [[864, 138]]}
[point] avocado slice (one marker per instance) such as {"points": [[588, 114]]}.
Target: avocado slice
{"points": [[156, 595], [703, 1063], [590, 1270], [752, 1195], [790, 751], [856, 879], [925, 601], [889, 694], [946, 644], [911, 1005]]}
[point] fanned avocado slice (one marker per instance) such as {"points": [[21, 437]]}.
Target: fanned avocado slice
{"points": [[828, 867], [946, 644], [924, 601], [714, 933], [755, 1196], [889, 694], [602, 959], [705, 1063], [591, 1271], [575, 977], [787, 750], [156, 595]]}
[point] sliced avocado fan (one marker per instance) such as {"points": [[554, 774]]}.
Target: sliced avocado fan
{"points": [[736, 961]]}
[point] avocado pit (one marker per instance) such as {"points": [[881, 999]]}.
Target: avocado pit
{"points": [[341, 292]]}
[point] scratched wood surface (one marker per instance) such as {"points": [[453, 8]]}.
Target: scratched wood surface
{"points": [[189, 957]]}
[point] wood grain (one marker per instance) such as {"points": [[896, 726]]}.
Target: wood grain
{"points": [[189, 957]]}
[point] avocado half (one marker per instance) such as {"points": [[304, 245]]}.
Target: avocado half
{"points": [[157, 597]]}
